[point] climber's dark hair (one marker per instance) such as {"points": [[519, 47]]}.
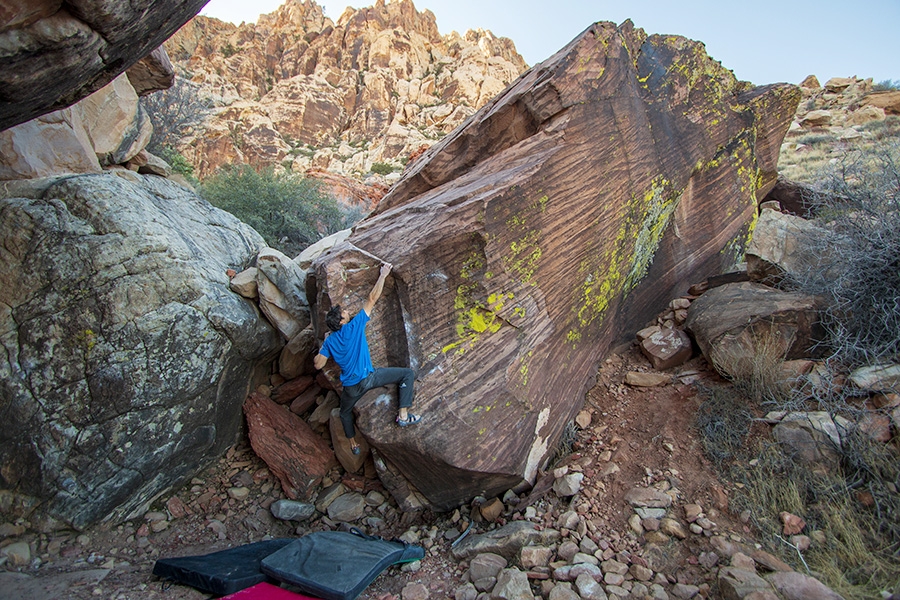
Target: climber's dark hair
{"points": [[333, 318]]}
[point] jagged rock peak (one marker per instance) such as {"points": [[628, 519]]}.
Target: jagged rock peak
{"points": [[298, 91], [305, 15], [393, 15]]}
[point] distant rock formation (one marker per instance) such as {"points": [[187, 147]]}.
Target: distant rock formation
{"points": [[299, 90], [558, 220], [125, 357], [55, 53]]}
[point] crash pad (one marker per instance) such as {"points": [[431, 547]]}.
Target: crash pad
{"points": [[337, 565], [223, 572]]}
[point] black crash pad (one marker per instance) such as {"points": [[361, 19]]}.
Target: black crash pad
{"points": [[337, 565], [221, 573]]}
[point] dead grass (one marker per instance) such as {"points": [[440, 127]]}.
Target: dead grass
{"points": [[852, 514], [856, 551], [756, 371]]}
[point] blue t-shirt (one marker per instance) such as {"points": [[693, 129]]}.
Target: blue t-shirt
{"points": [[350, 350]]}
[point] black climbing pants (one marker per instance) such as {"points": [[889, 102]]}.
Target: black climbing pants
{"points": [[402, 376]]}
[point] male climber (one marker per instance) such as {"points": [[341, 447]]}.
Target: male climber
{"points": [[348, 346]]}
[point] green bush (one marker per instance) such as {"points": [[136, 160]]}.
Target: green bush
{"points": [[289, 211], [382, 168], [178, 162]]}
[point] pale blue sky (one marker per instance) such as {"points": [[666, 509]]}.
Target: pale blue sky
{"points": [[763, 41]]}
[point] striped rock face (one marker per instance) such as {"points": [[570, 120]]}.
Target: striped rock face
{"points": [[555, 222]]}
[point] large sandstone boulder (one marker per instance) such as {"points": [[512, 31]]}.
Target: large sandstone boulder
{"points": [[559, 219], [787, 247], [55, 53], [109, 127], [784, 244], [125, 356], [51, 144], [888, 101]]}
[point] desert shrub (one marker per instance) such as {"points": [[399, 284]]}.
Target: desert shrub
{"points": [[723, 421], [858, 201], [289, 211], [811, 139], [382, 168], [564, 446], [759, 376], [888, 85], [173, 112]]}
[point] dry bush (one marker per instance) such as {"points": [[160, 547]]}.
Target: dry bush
{"points": [[858, 200], [856, 507], [756, 372], [173, 112], [564, 446], [723, 420]]}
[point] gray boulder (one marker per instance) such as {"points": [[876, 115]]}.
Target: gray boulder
{"points": [[126, 358]]}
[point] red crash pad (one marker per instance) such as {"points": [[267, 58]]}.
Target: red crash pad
{"points": [[266, 591]]}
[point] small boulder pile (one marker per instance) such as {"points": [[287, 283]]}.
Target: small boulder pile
{"points": [[841, 105]]}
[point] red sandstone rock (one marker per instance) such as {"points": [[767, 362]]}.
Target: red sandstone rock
{"points": [[294, 453], [667, 348], [289, 390], [737, 323], [306, 400], [562, 216], [792, 523], [350, 191]]}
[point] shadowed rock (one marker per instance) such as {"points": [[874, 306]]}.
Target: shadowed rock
{"points": [[56, 53], [556, 221]]}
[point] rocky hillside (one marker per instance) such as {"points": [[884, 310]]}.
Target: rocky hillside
{"points": [[301, 91], [834, 118]]}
